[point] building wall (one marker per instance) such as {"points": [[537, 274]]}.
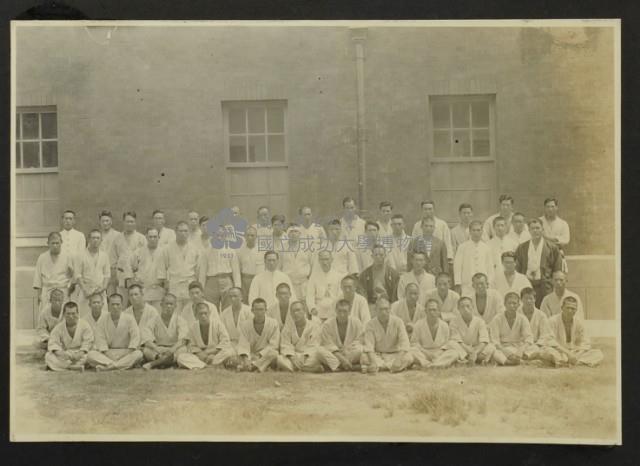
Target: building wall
{"points": [[554, 134], [131, 106]]}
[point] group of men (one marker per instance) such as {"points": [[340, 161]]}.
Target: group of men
{"points": [[351, 294]]}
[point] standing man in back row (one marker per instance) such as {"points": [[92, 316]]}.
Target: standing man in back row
{"points": [[109, 235], [460, 233], [505, 203], [441, 229], [73, 241], [178, 265], [351, 224], [166, 235]]}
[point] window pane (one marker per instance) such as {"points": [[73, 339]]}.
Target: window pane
{"points": [[30, 126], [460, 115], [275, 120], [49, 153], [237, 149], [461, 147], [441, 144], [237, 123], [18, 156], [30, 155], [276, 148], [480, 114], [257, 152], [481, 144], [49, 126], [256, 120], [441, 115], [18, 125]]}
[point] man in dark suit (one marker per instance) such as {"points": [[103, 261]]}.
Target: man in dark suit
{"points": [[538, 259], [379, 277], [434, 249]]}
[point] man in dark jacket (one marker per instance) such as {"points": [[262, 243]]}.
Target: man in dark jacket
{"points": [[434, 249], [538, 259], [379, 278]]}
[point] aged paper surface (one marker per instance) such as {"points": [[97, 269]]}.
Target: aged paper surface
{"points": [[139, 123]]}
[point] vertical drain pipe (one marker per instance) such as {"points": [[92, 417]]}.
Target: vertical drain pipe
{"points": [[359, 35]]}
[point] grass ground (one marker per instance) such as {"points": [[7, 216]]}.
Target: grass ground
{"points": [[512, 403]]}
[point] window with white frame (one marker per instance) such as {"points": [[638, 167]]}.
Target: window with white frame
{"points": [[36, 181], [36, 138], [255, 132], [462, 126]]}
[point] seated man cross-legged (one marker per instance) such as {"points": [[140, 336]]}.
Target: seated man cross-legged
{"points": [[430, 340], [209, 343], [50, 316], [469, 335], [259, 339], [572, 344], [70, 341], [341, 340], [299, 341], [510, 333], [117, 339], [167, 337], [386, 343]]}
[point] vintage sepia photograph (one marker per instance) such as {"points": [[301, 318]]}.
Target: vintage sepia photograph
{"points": [[352, 231]]}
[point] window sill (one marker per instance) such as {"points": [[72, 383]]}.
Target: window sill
{"points": [[462, 159], [31, 171], [257, 165]]}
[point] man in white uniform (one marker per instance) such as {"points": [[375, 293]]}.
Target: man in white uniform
{"points": [[70, 342], [178, 265], [109, 235], [397, 245], [265, 283], [122, 250], [167, 338], [93, 273], [505, 203], [554, 228], [117, 339], [519, 229], [145, 262], [341, 340], [310, 231], [341, 249], [351, 224], [296, 261], [386, 343], [552, 303], [48, 318], [299, 342], [166, 235], [73, 241], [460, 233], [259, 340], [195, 233], [323, 287], [418, 275], [487, 302], [500, 243], [385, 211], [472, 257], [509, 279], [54, 269]]}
